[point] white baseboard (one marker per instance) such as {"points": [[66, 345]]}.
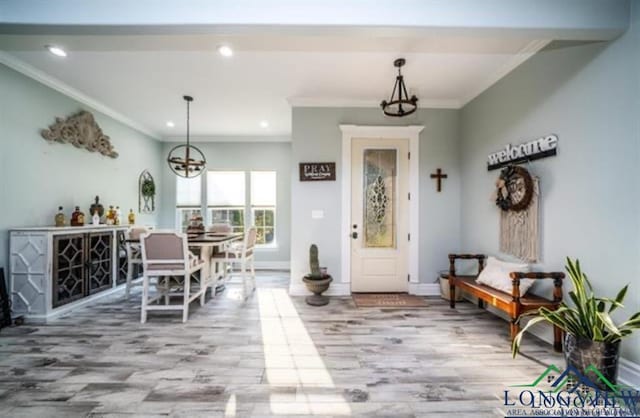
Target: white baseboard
{"points": [[273, 265], [629, 373], [424, 289], [336, 289]]}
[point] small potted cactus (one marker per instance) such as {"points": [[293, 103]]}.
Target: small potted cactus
{"points": [[317, 281]]}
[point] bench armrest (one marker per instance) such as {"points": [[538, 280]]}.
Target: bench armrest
{"points": [[557, 282], [454, 257]]}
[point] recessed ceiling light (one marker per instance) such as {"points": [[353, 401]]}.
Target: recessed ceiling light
{"points": [[56, 50], [264, 124], [170, 124], [225, 50]]}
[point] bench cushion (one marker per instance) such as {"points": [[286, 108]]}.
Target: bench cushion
{"points": [[496, 275]]}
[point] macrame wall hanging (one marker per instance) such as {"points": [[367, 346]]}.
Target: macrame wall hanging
{"points": [[518, 197]]}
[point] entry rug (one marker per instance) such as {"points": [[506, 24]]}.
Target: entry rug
{"points": [[388, 300]]}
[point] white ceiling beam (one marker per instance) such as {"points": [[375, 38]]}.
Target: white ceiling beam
{"points": [[538, 19]]}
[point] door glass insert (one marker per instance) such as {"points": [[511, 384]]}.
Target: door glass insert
{"points": [[379, 198]]}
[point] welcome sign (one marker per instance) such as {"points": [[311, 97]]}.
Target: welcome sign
{"points": [[545, 146]]}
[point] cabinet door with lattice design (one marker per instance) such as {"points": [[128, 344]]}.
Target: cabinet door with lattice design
{"points": [[99, 261], [68, 269]]}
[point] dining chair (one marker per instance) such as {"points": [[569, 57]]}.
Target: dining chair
{"points": [[166, 256], [134, 256], [220, 267], [241, 254]]}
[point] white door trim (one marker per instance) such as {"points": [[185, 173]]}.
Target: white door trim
{"points": [[412, 133]]}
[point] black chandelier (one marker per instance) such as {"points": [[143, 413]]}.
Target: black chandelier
{"points": [[402, 105], [186, 160]]}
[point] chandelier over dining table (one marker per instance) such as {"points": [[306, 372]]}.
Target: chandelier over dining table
{"points": [[186, 160]]}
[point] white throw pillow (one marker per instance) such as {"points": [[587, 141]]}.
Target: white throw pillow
{"points": [[496, 274]]}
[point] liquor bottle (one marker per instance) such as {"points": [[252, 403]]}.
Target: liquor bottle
{"points": [[118, 217], [60, 219], [77, 217], [110, 216], [132, 217], [96, 218]]}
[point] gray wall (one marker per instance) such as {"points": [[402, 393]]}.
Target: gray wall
{"points": [[244, 156], [589, 96], [36, 177], [316, 136]]}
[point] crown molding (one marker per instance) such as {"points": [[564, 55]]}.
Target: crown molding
{"points": [[520, 57], [342, 102], [56, 84]]}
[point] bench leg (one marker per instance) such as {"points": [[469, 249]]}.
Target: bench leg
{"points": [[452, 296], [515, 328], [480, 303], [557, 339]]}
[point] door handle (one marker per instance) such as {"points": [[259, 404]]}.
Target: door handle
{"points": [[354, 235]]}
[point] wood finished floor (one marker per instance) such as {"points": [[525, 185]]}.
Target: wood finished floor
{"points": [[270, 356]]}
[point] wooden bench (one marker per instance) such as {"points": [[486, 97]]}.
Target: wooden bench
{"points": [[511, 303]]}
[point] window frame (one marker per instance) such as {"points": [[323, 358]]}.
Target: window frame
{"points": [[274, 243]]}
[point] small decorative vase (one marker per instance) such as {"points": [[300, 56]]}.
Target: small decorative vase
{"points": [[95, 220], [317, 287], [60, 218], [131, 217], [77, 217], [118, 218], [96, 206], [584, 355]]}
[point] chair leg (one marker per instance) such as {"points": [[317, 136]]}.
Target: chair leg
{"points": [[127, 289], [515, 328], [253, 275], [243, 273], [204, 286], [145, 297], [167, 284], [452, 296], [185, 302], [557, 339]]}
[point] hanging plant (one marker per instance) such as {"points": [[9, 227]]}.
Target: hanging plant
{"points": [[148, 188]]}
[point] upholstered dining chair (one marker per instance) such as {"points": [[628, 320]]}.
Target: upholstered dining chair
{"points": [[220, 267], [134, 256], [166, 255], [241, 254]]}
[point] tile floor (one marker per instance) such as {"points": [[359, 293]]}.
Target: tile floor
{"points": [[270, 356]]}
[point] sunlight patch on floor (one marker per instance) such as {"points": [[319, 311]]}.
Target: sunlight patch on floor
{"points": [[292, 359]]}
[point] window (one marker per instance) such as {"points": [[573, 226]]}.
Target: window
{"points": [[188, 200], [226, 198], [263, 205]]}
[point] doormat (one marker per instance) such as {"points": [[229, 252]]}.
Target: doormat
{"points": [[388, 300]]}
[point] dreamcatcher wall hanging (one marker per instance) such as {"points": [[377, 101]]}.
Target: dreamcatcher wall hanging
{"points": [[517, 195]]}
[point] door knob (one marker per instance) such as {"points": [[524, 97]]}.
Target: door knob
{"points": [[354, 235]]}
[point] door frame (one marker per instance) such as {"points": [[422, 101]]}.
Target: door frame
{"points": [[410, 133]]}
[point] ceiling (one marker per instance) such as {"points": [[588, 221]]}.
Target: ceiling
{"points": [[141, 79]]}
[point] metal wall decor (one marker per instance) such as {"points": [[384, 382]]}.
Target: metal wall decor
{"points": [[402, 104], [146, 193], [546, 146], [81, 131], [186, 160]]}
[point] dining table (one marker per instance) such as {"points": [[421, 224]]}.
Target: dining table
{"points": [[207, 243]]}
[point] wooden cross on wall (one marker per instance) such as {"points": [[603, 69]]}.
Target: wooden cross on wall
{"points": [[439, 175]]}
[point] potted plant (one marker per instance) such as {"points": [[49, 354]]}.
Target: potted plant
{"points": [[592, 338], [317, 281]]}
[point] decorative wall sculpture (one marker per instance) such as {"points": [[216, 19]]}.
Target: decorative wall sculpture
{"points": [[146, 193], [82, 131]]}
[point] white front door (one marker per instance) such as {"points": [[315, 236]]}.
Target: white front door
{"points": [[379, 215]]}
